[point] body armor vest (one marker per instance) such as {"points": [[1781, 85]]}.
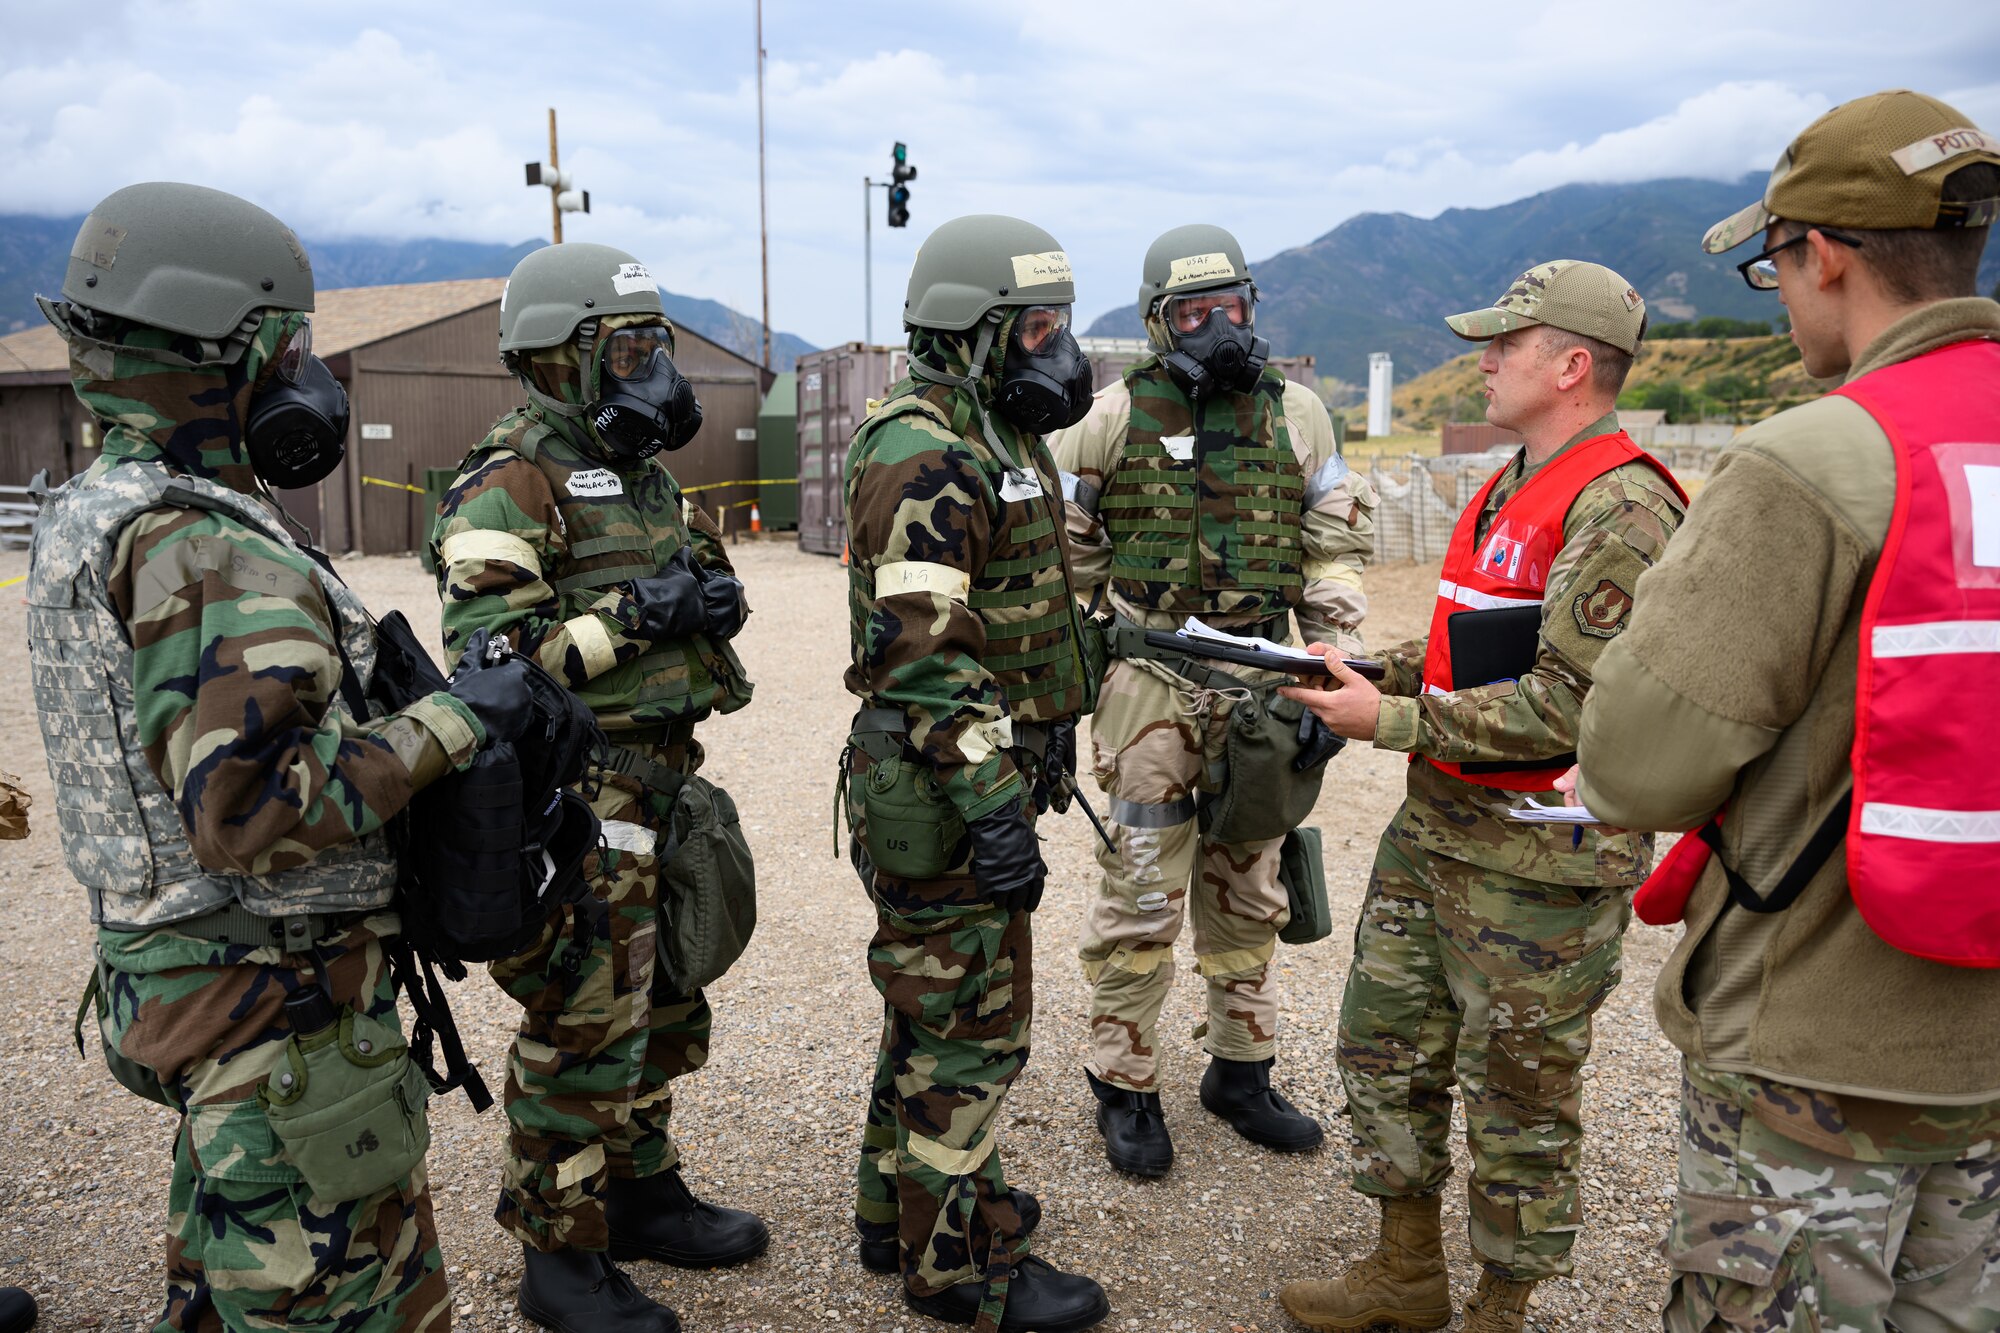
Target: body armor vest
{"points": [[121, 831], [1022, 594], [622, 525], [1205, 515]]}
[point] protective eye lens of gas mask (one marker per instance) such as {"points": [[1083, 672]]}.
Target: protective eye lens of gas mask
{"points": [[298, 350], [1186, 314], [628, 353], [1037, 326]]}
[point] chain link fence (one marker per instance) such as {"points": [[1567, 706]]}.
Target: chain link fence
{"points": [[1422, 497]]}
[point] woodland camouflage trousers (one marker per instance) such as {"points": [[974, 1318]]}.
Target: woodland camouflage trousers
{"points": [[249, 1246], [590, 1074], [957, 984], [1153, 746], [1470, 975]]}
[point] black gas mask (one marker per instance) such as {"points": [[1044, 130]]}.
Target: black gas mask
{"points": [[1214, 348], [1045, 381], [644, 403], [297, 431]]}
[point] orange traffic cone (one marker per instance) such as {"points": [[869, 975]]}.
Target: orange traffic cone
{"points": [[845, 560], [756, 518]]}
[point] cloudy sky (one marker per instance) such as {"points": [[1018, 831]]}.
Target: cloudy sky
{"points": [[1104, 121]]}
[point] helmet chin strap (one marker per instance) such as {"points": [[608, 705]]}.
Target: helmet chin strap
{"points": [[982, 347]]}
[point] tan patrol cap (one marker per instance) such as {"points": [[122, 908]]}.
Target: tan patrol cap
{"points": [[1568, 294], [1877, 163]]}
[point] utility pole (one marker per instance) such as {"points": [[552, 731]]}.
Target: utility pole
{"points": [[763, 215], [555, 165], [562, 199], [868, 188]]}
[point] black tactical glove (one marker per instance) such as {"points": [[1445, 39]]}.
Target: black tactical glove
{"points": [[1007, 858], [670, 602], [1052, 787], [722, 603], [492, 681], [1317, 742]]}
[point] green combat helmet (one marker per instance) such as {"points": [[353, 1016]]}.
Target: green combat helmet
{"points": [[557, 287], [186, 259], [1198, 301]]}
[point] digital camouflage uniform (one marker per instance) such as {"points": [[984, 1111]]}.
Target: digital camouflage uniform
{"points": [[1283, 527], [537, 539], [962, 621], [1485, 945], [254, 783]]}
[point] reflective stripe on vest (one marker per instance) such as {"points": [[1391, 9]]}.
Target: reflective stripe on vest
{"points": [[1509, 565], [1923, 834]]}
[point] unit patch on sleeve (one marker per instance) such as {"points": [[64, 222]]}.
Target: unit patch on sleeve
{"points": [[1601, 612]]}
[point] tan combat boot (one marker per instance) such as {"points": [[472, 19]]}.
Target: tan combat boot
{"points": [[1499, 1306], [1400, 1282]]}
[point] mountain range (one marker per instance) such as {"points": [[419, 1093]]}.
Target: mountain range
{"points": [[1383, 282], [34, 250]]}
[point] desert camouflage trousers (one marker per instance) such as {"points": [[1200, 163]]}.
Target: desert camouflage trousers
{"points": [[957, 983], [1469, 975], [590, 1074], [249, 1246], [1154, 746], [1771, 1235]]}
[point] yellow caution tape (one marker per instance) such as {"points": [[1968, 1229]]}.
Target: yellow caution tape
{"points": [[18, 578], [392, 485], [760, 481]]}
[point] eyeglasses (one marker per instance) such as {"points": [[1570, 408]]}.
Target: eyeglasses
{"points": [[1760, 270]]}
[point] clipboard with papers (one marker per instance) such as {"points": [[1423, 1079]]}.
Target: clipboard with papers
{"points": [[1195, 639]]}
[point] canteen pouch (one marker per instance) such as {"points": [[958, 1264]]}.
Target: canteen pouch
{"points": [[1261, 797], [1302, 871], [708, 888], [909, 826], [1093, 636], [131, 1075], [347, 1106]]}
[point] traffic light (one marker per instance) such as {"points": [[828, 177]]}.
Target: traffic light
{"points": [[899, 192]]}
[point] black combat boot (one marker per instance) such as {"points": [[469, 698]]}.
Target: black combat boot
{"points": [[582, 1291], [1135, 1133], [658, 1218], [17, 1310], [884, 1255], [1240, 1092], [1041, 1298]]}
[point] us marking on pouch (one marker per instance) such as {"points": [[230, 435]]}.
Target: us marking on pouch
{"points": [[1020, 486], [595, 483], [631, 278], [1180, 448]]}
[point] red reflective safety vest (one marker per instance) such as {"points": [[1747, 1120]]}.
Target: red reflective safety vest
{"points": [[1510, 567], [1922, 822]]}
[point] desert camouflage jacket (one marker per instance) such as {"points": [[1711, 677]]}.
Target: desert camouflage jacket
{"points": [[1336, 523]]}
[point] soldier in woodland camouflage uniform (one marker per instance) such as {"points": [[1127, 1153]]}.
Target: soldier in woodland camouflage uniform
{"points": [[1203, 483], [966, 657], [566, 533], [222, 782], [1485, 944]]}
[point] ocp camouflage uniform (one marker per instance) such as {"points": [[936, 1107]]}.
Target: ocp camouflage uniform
{"points": [[537, 540], [1245, 518], [1484, 944], [962, 624], [218, 797]]}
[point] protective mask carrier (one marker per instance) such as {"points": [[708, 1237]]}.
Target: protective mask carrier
{"points": [[1047, 390], [1218, 357]]}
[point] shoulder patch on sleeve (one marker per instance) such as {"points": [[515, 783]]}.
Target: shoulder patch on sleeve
{"points": [[1603, 610]]}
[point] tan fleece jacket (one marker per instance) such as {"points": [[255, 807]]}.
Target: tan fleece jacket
{"points": [[1734, 682]]}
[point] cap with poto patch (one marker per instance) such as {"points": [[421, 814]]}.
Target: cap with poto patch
{"points": [[1569, 294], [1877, 163]]}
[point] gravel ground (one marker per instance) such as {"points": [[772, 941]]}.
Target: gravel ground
{"points": [[773, 1121]]}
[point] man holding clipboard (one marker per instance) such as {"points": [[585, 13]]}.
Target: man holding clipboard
{"points": [[1486, 943]]}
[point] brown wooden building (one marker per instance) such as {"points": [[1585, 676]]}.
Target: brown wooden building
{"points": [[425, 384]]}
